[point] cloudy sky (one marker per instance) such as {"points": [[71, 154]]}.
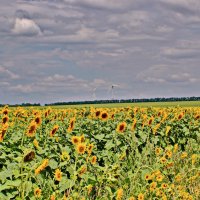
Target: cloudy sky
{"points": [[69, 50]]}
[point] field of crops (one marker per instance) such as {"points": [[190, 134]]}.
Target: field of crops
{"points": [[100, 153]]}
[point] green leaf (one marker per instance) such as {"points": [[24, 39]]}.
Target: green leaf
{"points": [[99, 136], [28, 187], [66, 184], [53, 164], [109, 145]]}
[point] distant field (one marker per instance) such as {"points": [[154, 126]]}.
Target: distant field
{"points": [[145, 104]]}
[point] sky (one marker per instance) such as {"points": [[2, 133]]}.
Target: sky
{"points": [[74, 50]]}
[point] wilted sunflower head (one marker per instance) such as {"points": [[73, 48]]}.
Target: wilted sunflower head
{"points": [[29, 156]]}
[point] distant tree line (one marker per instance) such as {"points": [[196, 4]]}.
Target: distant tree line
{"points": [[171, 99], [21, 105]]}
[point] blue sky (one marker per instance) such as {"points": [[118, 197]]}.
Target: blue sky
{"points": [[70, 50]]}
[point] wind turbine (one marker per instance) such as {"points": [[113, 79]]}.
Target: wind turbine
{"points": [[113, 86], [94, 93]]}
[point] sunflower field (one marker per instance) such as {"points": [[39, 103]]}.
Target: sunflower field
{"points": [[100, 153]]}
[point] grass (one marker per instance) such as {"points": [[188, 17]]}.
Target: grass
{"points": [[144, 104]]}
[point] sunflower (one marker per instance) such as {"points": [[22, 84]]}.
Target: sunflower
{"points": [[141, 196], [82, 138], [81, 147], [29, 156], [163, 160], [35, 143], [134, 124], [89, 189], [194, 158], [3, 131], [90, 148], [42, 166], [97, 113], [53, 131], [5, 119], [148, 177], [132, 198], [158, 151], [121, 127], [37, 192], [71, 124], [119, 194], [38, 120], [65, 156], [180, 116], [159, 177], [82, 170], [167, 130], [164, 185], [104, 115], [184, 155], [93, 160], [168, 154], [150, 121], [175, 148], [53, 197], [5, 111], [153, 186], [31, 129], [58, 175], [178, 177], [75, 140]]}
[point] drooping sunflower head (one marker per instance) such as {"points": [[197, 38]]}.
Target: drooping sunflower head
{"points": [[150, 121], [82, 170], [53, 131], [31, 129], [71, 124], [29, 156], [81, 147], [5, 119]]}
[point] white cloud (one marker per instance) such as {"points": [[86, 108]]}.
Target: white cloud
{"points": [[107, 4], [7, 73], [26, 27]]}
